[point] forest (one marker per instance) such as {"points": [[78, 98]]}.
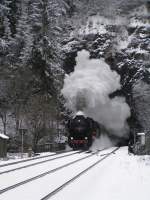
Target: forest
{"points": [[39, 41], [31, 76]]}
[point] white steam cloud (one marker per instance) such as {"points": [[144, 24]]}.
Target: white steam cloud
{"points": [[88, 89]]}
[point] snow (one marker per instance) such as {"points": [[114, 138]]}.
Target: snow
{"points": [[16, 157], [95, 24], [11, 178], [137, 23], [60, 139], [140, 133], [30, 161], [52, 180], [120, 177], [79, 113], [4, 136], [137, 50], [139, 17]]}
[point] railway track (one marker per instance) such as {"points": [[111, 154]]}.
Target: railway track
{"points": [[40, 162], [35, 158], [54, 192], [6, 189]]}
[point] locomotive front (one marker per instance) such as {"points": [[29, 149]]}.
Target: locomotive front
{"points": [[80, 132]]}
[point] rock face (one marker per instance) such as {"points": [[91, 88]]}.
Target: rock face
{"points": [[124, 43]]}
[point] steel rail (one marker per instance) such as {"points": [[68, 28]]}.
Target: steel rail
{"points": [[46, 173], [37, 163], [35, 158], [54, 192]]}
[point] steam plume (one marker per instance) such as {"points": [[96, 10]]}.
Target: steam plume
{"points": [[88, 89]]}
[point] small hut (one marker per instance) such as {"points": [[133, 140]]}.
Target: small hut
{"points": [[142, 144], [3, 145]]}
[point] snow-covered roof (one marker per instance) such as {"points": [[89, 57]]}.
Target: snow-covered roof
{"points": [[140, 133], [4, 136], [80, 113]]}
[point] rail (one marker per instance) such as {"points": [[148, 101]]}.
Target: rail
{"points": [[37, 163], [48, 196], [46, 173], [35, 158]]}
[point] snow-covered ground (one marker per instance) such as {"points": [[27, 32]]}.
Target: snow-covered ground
{"points": [[16, 157], [30, 161], [119, 177]]}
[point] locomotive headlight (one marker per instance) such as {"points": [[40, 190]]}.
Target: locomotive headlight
{"points": [[86, 138], [71, 138]]}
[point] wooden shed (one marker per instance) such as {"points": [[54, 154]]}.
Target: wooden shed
{"points": [[3, 145]]}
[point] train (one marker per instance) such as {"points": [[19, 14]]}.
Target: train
{"points": [[82, 131]]}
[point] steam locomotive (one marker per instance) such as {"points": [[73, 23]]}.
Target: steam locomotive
{"points": [[81, 130]]}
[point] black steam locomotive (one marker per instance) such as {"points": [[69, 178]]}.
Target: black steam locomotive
{"points": [[81, 130]]}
